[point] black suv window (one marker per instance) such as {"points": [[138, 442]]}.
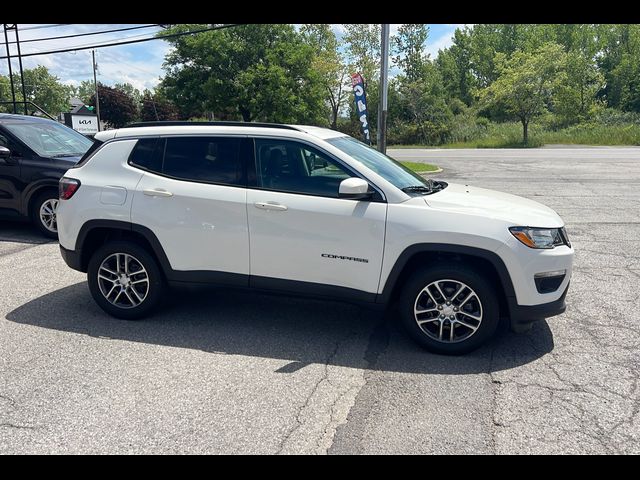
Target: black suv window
{"points": [[204, 159], [9, 143], [290, 166]]}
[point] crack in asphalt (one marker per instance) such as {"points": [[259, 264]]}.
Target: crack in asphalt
{"points": [[495, 386], [10, 400], [24, 249], [323, 378], [18, 427], [376, 346]]}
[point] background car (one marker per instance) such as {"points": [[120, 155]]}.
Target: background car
{"points": [[34, 154]]}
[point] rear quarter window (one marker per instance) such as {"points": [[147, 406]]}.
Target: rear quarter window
{"points": [[147, 154]]}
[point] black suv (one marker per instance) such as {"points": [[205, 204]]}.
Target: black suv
{"points": [[34, 154]]}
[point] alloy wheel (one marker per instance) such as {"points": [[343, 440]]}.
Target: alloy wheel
{"points": [[48, 215], [123, 280], [448, 311]]}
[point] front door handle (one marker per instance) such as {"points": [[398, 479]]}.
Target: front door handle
{"points": [[157, 192], [270, 206]]}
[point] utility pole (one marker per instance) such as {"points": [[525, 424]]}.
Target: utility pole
{"points": [[95, 84], [13, 91], [384, 80], [24, 93]]}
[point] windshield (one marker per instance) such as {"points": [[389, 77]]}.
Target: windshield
{"points": [[50, 139], [391, 170]]}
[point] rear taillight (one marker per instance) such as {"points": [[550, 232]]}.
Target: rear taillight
{"points": [[68, 187]]}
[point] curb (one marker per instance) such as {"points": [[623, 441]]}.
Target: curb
{"points": [[430, 171]]}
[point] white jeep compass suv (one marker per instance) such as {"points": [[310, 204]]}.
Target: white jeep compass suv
{"points": [[311, 211]]}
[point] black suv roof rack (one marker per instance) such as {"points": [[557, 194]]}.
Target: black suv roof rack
{"points": [[220, 124]]}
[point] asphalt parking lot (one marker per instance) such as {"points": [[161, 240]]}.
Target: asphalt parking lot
{"points": [[231, 372]]}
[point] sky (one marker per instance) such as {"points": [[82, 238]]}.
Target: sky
{"points": [[138, 64]]}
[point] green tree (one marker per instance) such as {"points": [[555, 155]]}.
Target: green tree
{"points": [[130, 90], [255, 71], [133, 93], [454, 64], [155, 108], [5, 94], [527, 83], [85, 91], [618, 61], [408, 47], [575, 99], [45, 90], [329, 65], [363, 50], [116, 107], [426, 108], [624, 90]]}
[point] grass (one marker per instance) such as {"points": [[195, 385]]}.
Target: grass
{"points": [[500, 135], [590, 134], [421, 167], [509, 135]]}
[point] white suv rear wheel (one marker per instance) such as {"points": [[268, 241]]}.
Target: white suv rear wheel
{"points": [[125, 280]]}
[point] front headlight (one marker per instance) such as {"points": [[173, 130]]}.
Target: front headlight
{"points": [[540, 237]]}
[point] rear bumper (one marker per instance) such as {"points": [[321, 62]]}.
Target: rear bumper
{"points": [[72, 258], [523, 314]]}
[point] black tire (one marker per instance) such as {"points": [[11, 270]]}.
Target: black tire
{"points": [[156, 282], [36, 203], [484, 290]]}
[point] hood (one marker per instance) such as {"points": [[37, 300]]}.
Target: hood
{"points": [[516, 210]]}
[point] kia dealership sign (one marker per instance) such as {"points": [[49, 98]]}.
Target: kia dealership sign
{"points": [[85, 124]]}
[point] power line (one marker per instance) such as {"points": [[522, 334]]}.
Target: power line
{"points": [[163, 37], [34, 51], [96, 45], [130, 65], [85, 34], [44, 26]]}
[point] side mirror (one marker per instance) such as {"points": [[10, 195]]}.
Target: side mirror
{"points": [[354, 189], [5, 154]]}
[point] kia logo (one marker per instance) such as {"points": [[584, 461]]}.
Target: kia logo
{"points": [[85, 122]]}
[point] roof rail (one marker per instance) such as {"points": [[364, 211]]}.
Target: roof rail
{"points": [[219, 124]]}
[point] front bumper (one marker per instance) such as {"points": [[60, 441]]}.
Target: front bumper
{"points": [[72, 258], [524, 314]]}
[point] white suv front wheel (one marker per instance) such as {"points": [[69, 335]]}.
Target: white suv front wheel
{"points": [[449, 309], [125, 280]]}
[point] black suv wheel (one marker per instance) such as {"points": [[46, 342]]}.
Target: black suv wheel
{"points": [[44, 213], [449, 309], [125, 280]]}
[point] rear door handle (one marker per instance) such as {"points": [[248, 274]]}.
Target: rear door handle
{"points": [[270, 206], [157, 192]]}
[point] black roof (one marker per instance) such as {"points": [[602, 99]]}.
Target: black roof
{"points": [[6, 117]]}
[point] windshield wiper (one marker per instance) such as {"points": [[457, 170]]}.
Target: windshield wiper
{"points": [[417, 189], [67, 155]]}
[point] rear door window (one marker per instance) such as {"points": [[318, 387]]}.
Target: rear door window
{"points": [[205, 159]]}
